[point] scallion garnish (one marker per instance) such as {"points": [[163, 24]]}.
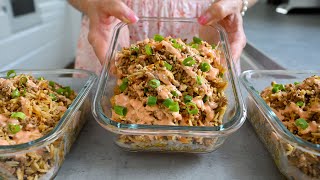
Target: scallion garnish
{"points": [[167, 102], [277, 87], [11, 74], [154, 83], [53, 96], [205, 98], [167, 65], [123, 85], [196, 46], [174, 107], [300, 103], [205, 67], [15, 93], [17, 115], [189, 61], [51, 83], [296, 83], [14, 128], [40, 78], [122, 111], [152, 100], [177, 45], [187, 98], [213, 46], [197, 40], [192, 108], [148, 49], [23, 80], [60, 91], [302, 123], [174, 93], [158, 37], [199, 80]]}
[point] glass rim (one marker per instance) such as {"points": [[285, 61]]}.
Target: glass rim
{"points": [[65, 119], [281, 130], [225, 129]]}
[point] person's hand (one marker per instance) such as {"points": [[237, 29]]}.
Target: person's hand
{"points": [[227, 13], [101, 14]]}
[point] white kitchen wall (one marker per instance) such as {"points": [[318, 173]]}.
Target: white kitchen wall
{"points": [[50, 44]]}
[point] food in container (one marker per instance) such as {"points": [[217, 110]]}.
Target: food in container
{"points": [[168, 122], [39, 120], [286, 115]]}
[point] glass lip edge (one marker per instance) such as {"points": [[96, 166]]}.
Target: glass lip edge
{"points": [[56, 132], [103, 119], [280, 129]]}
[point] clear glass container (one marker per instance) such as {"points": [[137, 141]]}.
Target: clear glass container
{"points": [[162, 138], [295, 157], [42, 158]]}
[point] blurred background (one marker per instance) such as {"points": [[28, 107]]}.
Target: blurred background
{"points": [[44, 34]]}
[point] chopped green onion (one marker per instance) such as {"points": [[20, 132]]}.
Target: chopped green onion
{"points": [[302, 123], [40, 78], [205, 98], [174, 107], [167, 65], [199, 80], [196, 46], [192, 108], [296, 83], [51, 83], [152, 101], [173, 41], [278, 87], [275, 89], [300, 103], [53, 96], [158, 37], [148, 49], [205, 67], [67, 91], [23, 80], [14, 128], [11, 74], [122, 111], [213, 46], [17, 115], [145, 90], [123, 85], [187, 98], [60, 91], [168, 102], [15, 93], [177, 45], [197, 40], [154, 83], [24, 91], [220, 75], [174, 93], [189, 61]]}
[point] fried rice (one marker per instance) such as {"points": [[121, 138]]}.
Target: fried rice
{"points": [[165, 81]]}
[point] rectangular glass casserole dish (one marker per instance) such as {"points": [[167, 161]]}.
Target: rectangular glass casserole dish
{"points": [[295, 157], [42, 158], [135, 137]]}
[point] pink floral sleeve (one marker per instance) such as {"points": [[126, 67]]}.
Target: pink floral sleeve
{"points": [[85, 57]]}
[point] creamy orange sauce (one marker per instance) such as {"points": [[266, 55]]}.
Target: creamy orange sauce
{"points": [[26, 136], [3, 120], [32, 84], [171, 49], [163, 91], [24, 105], [212, 73], [6, 83], [189, 71]]}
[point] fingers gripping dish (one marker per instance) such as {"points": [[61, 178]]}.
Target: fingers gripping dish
{"points": [[165, 81], [297, 105], [29, 109]]}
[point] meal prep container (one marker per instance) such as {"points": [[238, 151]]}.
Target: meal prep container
{"points": [[44, 156], [135, 137], [295, 157]]}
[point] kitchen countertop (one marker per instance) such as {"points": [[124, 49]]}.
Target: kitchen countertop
{"points": [[243, 156], [291, 40]]}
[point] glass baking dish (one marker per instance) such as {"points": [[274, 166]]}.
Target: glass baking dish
{"points": [[163, 138], [42, 158], [295, 157]]}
